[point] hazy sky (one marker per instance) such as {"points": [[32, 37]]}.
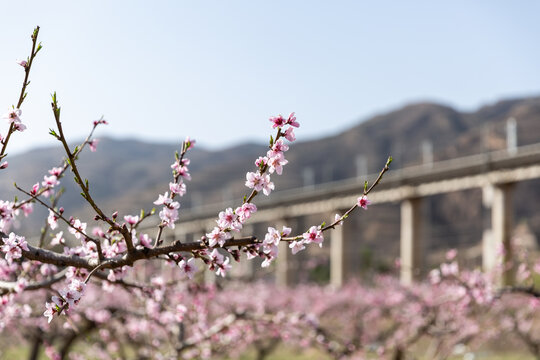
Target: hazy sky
{"points": [[216, 70]]}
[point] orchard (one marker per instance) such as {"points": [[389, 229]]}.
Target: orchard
{"points": [[74, 293]]}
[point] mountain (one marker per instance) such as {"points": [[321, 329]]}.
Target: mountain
{"points": [[127, 175]]}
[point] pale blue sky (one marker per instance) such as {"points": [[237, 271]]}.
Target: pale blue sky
{"points": [[216, 70]]}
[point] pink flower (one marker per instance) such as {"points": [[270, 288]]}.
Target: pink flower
{"points": [[181, 170], [131, 220], [338, 220], [244, 212], [145, 240], [286, 231], [449, 269], [313, 235], [216, 257], [451, 254], [276, 163], [27, 208], [217, 236], [272, 237], [228, 219], [219, 262], [267, 185], [178, 188], [112, 276], [261, 161], [188, 268], [52, 308], [253, 180], [19, 126], [77, 227], [253, 252], [47, 269], [22, 283], [13, 246], [6, 214], [169, 215], [74, 292], [363, 202], [278, 121], [35, 189], [279, 146], [56, 171], [190, 143], [23, 63], [291, 120], [77, 285], [52, 220], [259, 182], [4, 165], [221, 269], [58, 239], [50, 181], [296, 246], [93, 145], [289, 134], [13, 116], [97, 231], [163, 199], [271, 253], [435, 276]]}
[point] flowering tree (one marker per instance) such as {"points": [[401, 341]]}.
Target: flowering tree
{"points": [[85, 275], [107, 251], [168, 318]]}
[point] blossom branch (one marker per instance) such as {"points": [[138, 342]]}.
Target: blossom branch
{"points": [[10, 286], [130, 257], [366, 192], [58, 214], [27, 66], [186, 145], [354, 207], [83, 184], [50, 257], [263, 167]]}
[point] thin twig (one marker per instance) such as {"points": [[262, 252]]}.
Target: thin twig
{"points": [[60, 216], [10, 286], [22, 96], [83, 184]]}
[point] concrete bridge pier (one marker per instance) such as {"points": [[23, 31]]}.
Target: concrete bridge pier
{"points": [[341, 238], [285, 261], [496, 241], [283, 266], [411, 246]]}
